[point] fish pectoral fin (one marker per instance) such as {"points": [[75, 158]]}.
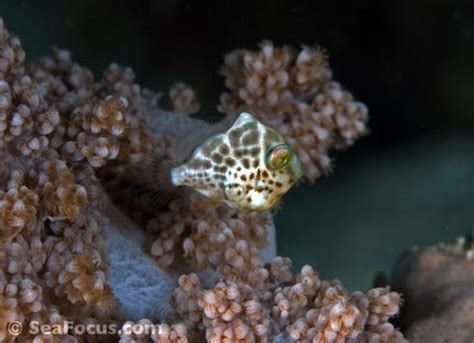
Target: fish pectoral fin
{"points": [[153, 178], [244, 118]]}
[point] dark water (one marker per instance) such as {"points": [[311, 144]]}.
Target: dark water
{"points": [[412, 62]]}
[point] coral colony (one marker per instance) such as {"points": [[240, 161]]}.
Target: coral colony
{"points": [[293, 91], [70, 143], [437, 283]]}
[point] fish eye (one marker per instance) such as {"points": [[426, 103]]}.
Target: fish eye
{"points": [[278, 157]]}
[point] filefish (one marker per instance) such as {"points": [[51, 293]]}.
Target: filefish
{"points": [[248, 167]]}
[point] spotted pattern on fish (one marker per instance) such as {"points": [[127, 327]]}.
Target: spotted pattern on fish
{"points": [[234, 167]]}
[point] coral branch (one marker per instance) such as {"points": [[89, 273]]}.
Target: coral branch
{"points": [[438, 284], [184, 98], [300, 307], [294, 93], [53, 259]]}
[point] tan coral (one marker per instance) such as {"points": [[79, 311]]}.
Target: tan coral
{"points": [[65, 128], [139, 142], [382, 333], [209, 234], [185, 299], [62, 197], [294, 93], [438, 287], [17, 207], [145, 331], [383, 305], [184, 98], [94, 129], [233, 312], [304, 307], [12, 54], [53, 259]]}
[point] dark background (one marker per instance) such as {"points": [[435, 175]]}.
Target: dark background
{"points": [[410, 182]]}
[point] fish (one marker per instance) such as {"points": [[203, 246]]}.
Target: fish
{"points": [[249, 166]]}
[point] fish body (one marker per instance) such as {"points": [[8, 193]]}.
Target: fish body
{"points": [[249, 167]]}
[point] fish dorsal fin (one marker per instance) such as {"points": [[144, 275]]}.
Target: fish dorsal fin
{"points": [[188, 133], [231, 120], [244, 118], [153, 180], [185, 132]]}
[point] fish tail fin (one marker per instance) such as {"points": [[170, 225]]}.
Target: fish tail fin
{"points": [[154, 181]]}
